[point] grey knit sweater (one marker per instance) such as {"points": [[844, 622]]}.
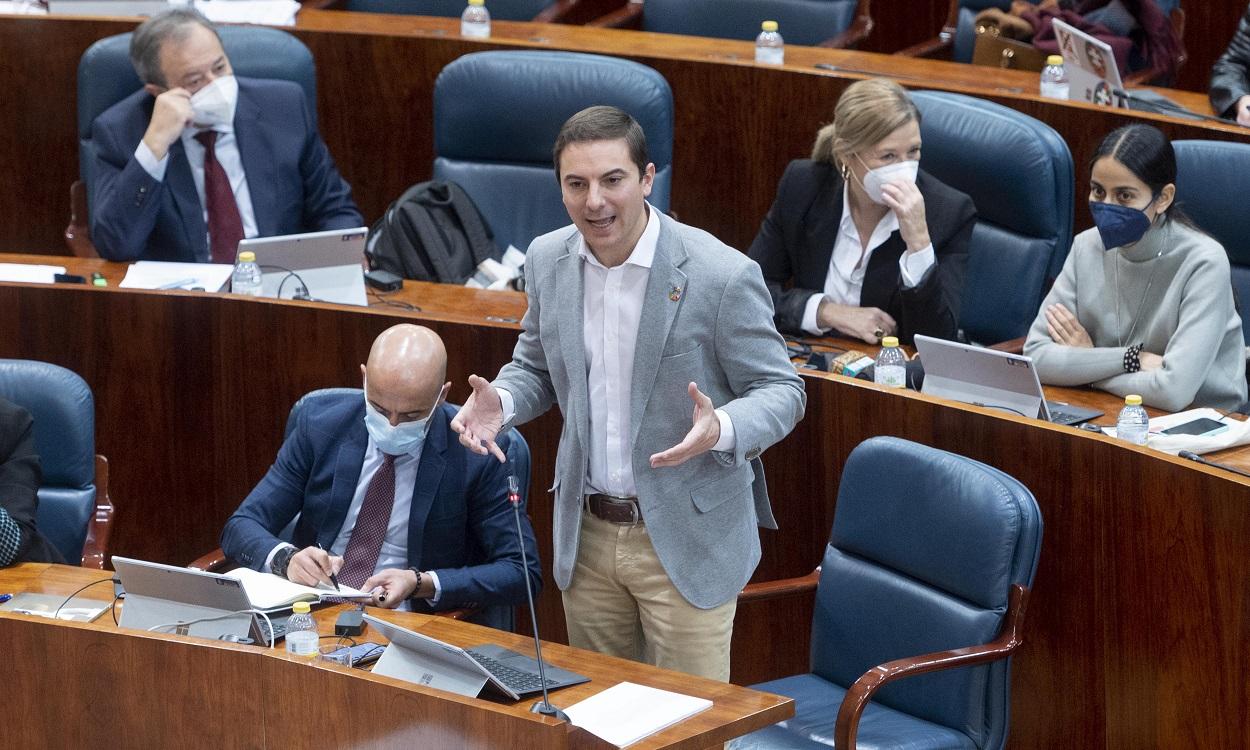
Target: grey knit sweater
{"points": [[1179, 304]]}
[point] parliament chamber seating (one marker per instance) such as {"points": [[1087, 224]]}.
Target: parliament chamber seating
{"points": [[496, 115], [931, 553], [75, 510], [1210, 188], [823, 23], [502, 10], [106, 76], [1019, 174]]}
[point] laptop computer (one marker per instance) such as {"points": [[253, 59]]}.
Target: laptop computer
{"points": [[1093, 75], [987, 377], [465, 671], [165, 595], [322, 266]]}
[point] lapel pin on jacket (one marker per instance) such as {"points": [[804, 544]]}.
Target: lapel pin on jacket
{"points": [[674, 294]]}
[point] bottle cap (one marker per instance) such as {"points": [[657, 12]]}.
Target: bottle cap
{"points": [[477, 2], [300, 608], [247, 256], [889, 341], [1132, 400], [769, 26], [1054, 60]]}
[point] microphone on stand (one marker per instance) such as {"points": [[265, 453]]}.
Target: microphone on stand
{"points": [[543, 706], [1199, 459]]}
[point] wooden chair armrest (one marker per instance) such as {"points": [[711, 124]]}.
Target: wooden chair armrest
{"points": [[212, 562], [1011, 346], [95, 547], [854, 34], [628, 17], [935, 47], [857, 698], [78, 233], [782, 587], [556, 11]]}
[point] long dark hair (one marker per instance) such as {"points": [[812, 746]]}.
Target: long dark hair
{"points": [[1146, 152]]}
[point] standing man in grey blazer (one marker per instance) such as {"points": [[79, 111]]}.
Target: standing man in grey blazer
{"points": [[634, 323]]}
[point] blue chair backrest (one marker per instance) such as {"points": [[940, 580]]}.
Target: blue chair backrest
{"points": [[500, 10], [925, 547], [1020, 175], [63, 409], [496, 117], [1210, 189], [106, 76], [806, 22]]}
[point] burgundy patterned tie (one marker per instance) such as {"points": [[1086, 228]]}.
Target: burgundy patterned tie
{"points": [[365, 543], [225, 226]]}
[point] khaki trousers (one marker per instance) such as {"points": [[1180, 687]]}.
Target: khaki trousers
{"points": [[622, 603]]}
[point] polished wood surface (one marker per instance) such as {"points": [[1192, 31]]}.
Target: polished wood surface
{"points": [[375, 78], [81, 684], [1139, 621]]}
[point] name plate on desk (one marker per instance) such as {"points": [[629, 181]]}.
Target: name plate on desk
{"points": [[107, 7]]}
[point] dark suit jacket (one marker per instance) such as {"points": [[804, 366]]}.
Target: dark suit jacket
{"points": [[460, 526], [1230, 76], [20, 477], [796, 242], [292, 179]]}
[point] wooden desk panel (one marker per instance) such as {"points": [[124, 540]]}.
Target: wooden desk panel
{"points": [[376, 73]]}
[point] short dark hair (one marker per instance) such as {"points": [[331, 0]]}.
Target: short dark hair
{"points": [[603, 123], [1146, 152], [145, 44]]}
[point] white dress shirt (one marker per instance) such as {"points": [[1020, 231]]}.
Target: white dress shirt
{"points": [[612, 300], [847, 265], [226, 149], [394, 552]]}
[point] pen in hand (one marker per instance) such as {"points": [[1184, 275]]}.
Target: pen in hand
{"points": [[333, 578]]}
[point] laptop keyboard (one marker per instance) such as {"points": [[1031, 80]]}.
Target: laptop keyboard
{"points": [[516, 680]]}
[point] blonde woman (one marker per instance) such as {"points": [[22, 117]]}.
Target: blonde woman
{"points": [[860, 242]]}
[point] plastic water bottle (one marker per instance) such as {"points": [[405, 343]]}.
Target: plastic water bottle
{"points": [[1054, 78], [890, 369], [246, 276], [301, 632], [475, 21], [1133, 424], [769, 49]]}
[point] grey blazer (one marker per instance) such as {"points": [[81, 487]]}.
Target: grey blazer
{"points": [[706, 317]]}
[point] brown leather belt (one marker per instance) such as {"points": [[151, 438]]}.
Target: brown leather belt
{"points": [[614, 509]]}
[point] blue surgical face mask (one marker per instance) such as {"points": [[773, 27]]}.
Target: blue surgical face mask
{"points": [[1119, 225], [397, 440]]}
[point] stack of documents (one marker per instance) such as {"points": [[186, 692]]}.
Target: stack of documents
{"points": [[155, 274], [29, 273], [267, 591], [626, 712]]}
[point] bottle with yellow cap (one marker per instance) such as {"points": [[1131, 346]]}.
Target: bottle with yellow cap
{"points": [[1133, 424], [1054, 84], [301, 631], [475, 21], [246, 277], [769, 48], [891, 366]]}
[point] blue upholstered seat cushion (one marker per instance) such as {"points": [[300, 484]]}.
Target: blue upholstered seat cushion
{"points": [[805, 22], [816, 711]]}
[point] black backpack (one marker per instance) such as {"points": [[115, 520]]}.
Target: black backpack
{"points": [[433, 232]]}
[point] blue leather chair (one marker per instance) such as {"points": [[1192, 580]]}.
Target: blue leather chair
{"points": [[824, 23], [501, 10], [75, 512], [518, 453], [1020, 175], [106, 76], [931, 553], [496, 117], [1210, 188]]}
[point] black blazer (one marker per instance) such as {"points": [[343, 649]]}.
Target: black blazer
{"points": [[796, 242], [1230, 76], [20, 477]]}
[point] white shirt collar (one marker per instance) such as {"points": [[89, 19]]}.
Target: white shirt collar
{"points": [[644, 252]]}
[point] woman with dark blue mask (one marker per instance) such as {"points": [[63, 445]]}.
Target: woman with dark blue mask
{"points": [[1144, 303]]}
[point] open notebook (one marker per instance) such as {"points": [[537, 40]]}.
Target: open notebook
{"points": [[267, 591]]}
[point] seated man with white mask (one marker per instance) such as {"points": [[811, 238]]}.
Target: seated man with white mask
{"points": [[197, 159], [387, 498]]}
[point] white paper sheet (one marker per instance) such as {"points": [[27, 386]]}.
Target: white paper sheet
{"points": [[1238, 433], [266, 12], [267, 591], [626, 712], [155, 274], [29, 273]]}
